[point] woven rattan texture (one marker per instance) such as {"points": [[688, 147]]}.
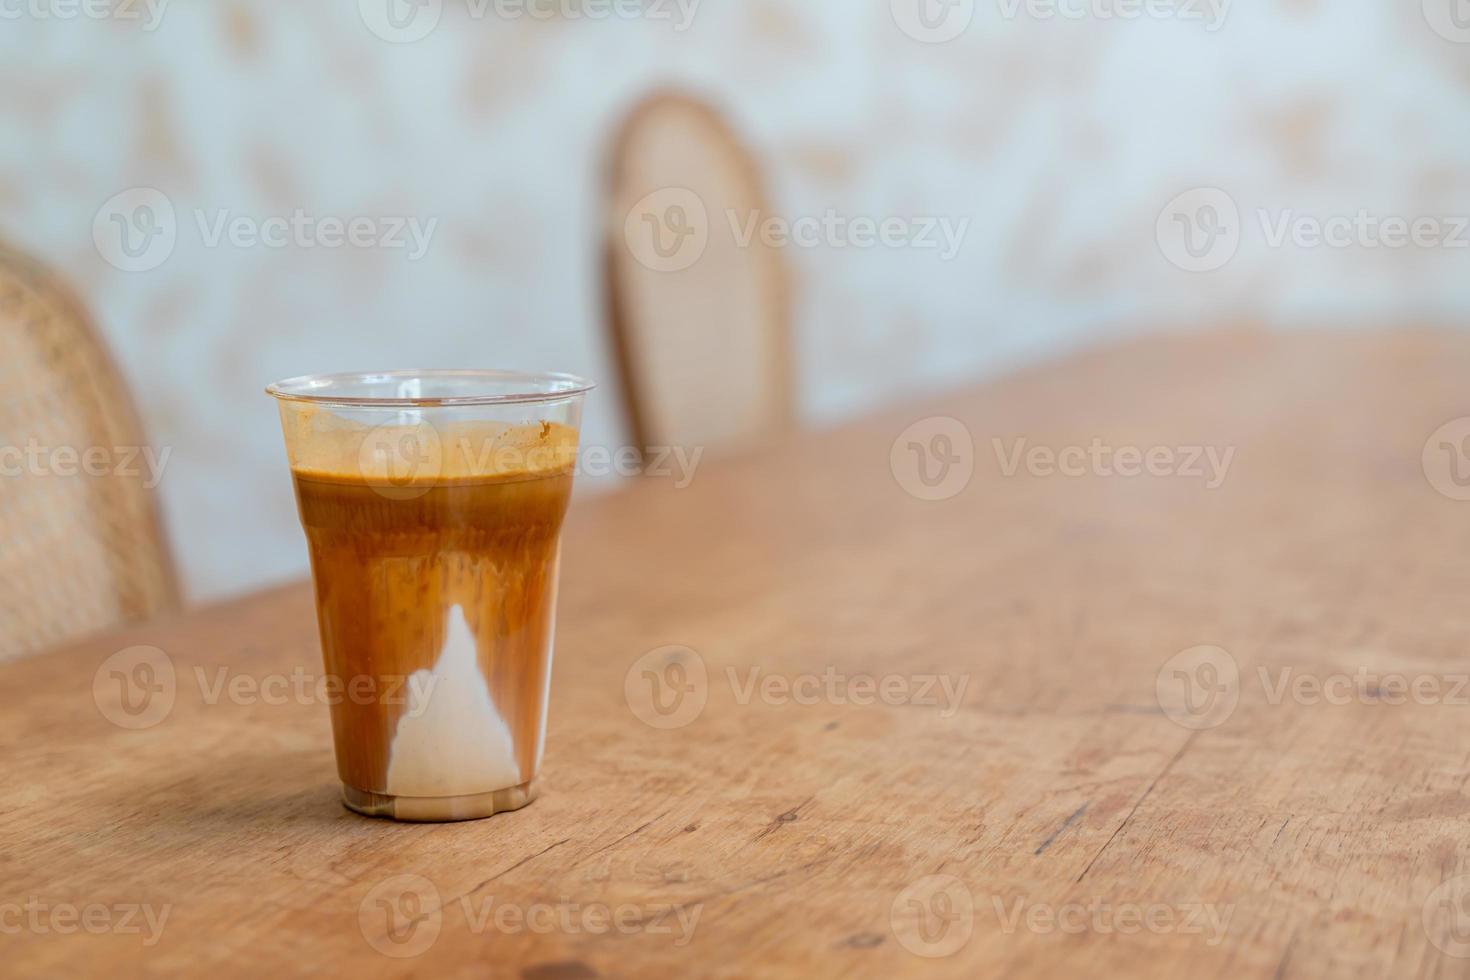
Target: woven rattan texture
{"points": [[79, 552]]}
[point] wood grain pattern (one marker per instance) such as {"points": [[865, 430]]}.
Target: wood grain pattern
{"points": [[1318, 834]]}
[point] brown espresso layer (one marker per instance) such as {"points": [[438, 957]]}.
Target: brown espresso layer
{"points": [[397, 572]]}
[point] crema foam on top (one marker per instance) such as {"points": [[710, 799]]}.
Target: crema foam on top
{"points": [[407, 449]]}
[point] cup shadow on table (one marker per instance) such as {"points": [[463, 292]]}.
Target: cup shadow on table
{"points": [[253, 788]]}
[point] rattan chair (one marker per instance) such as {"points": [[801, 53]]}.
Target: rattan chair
{"points": [[698, 307], [81, 548]]}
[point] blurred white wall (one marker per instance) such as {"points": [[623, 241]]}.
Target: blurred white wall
{"points": [[1059, 132]]}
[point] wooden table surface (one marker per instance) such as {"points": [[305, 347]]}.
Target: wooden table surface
{"points": [[1050, 725]]}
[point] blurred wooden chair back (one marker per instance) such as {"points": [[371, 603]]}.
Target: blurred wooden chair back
{"points": [[78, 552], [698, 303]]}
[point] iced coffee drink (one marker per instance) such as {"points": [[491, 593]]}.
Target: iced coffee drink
{"points": [[433, 522]]}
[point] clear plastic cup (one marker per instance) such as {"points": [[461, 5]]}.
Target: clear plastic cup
{"points": [[433, 503]]}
